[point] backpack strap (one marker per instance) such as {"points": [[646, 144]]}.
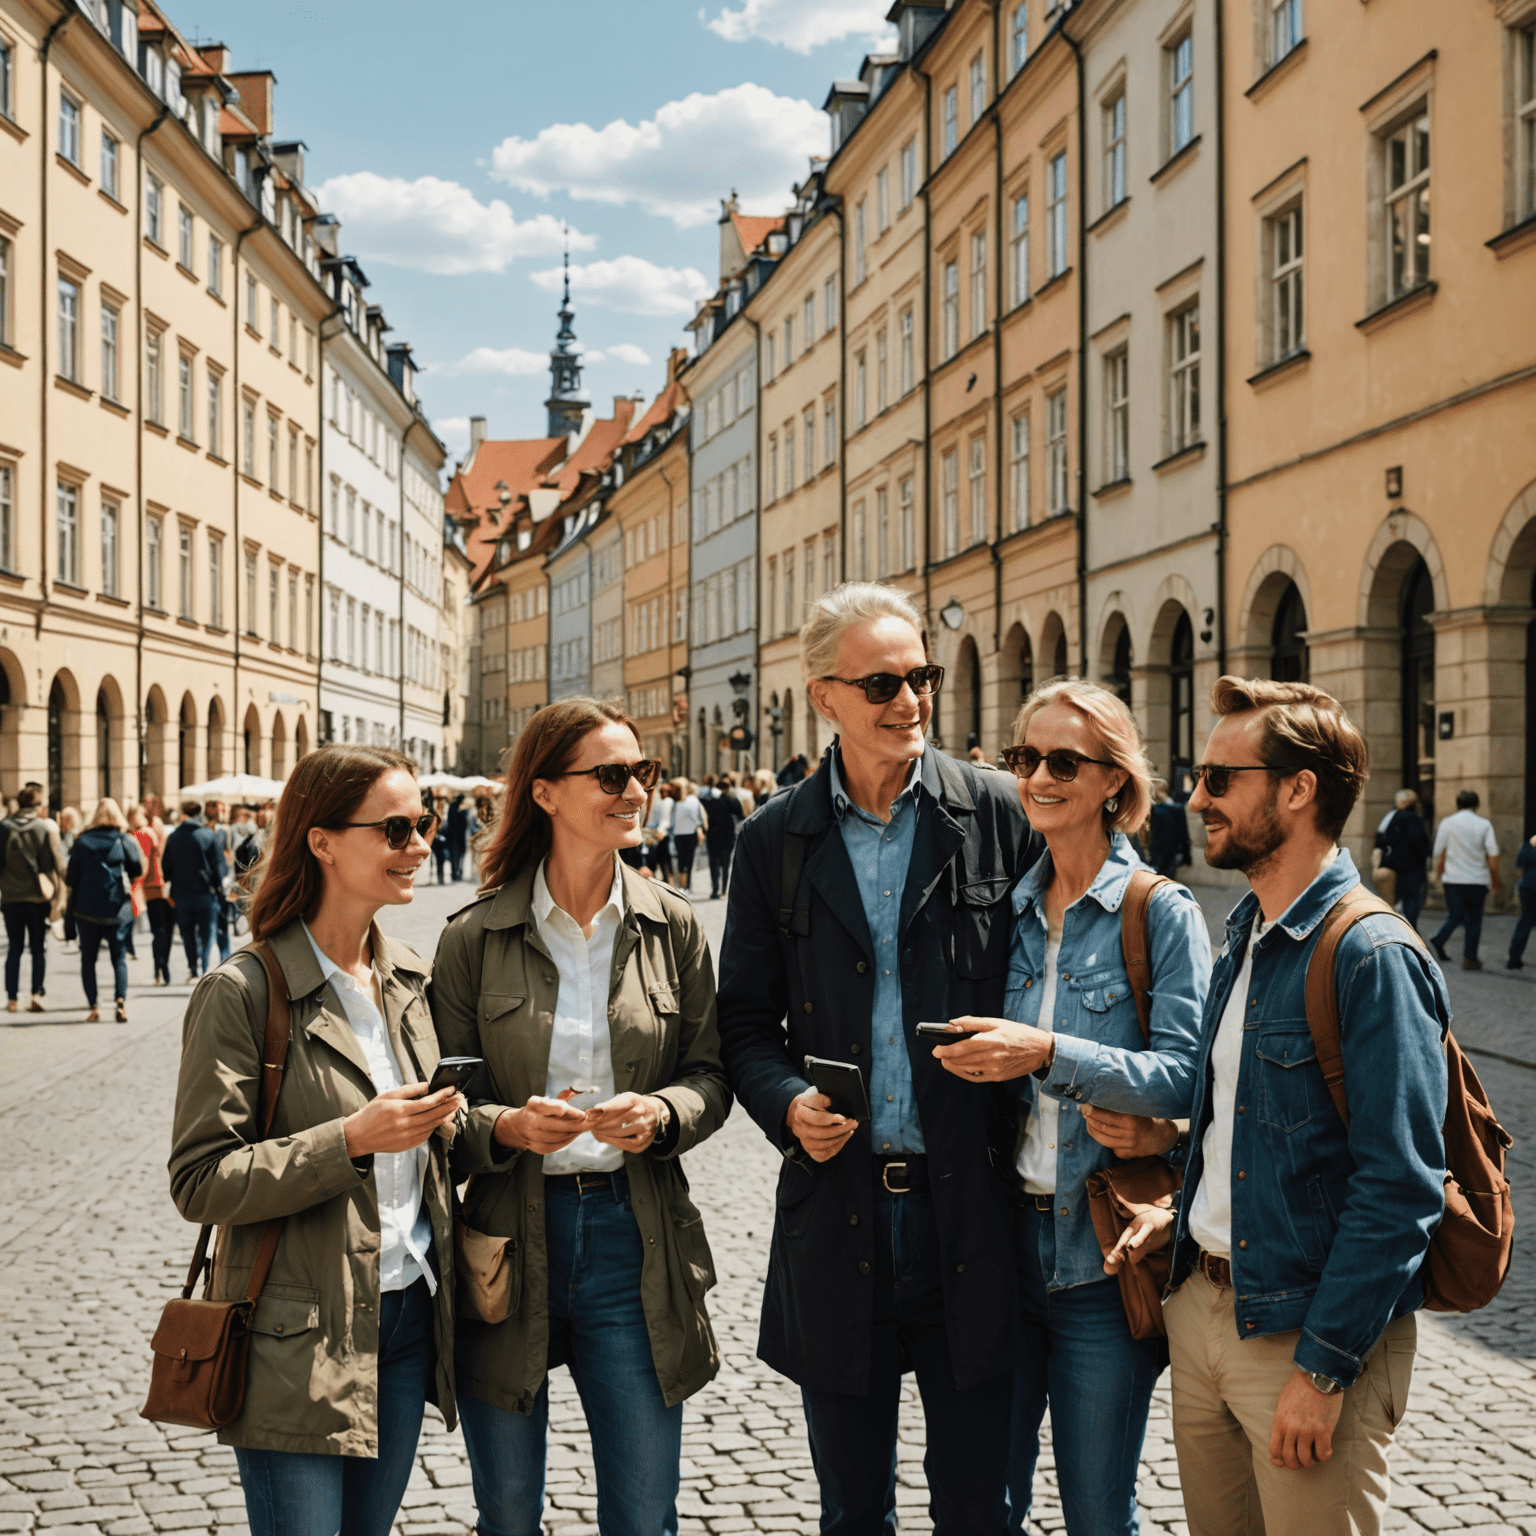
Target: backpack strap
{"points": [[1134, 948], [1322, 994]]}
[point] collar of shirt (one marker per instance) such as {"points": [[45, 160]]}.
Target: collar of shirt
{"points": [[544, 903], [1308, 910], [1108, 888], [842, 803]]}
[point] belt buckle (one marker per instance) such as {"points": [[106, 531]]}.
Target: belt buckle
{"points": [[885, 1179], [1044, 1203], [588, 1182]]}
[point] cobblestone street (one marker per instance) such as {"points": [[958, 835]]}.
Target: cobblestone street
{"points": [[91, 1247]]}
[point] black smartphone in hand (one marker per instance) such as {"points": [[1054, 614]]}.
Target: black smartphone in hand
{"points": [[454, 1072], [944, 1035], [842, 1083]]}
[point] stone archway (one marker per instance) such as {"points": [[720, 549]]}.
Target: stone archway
{"points": [[1117, 655], [300, 739], [13, 709], [113, 734], [1272, 619], [156, 744], [63, 777], [250, 741], [1053, 647], [216, 764], [278, 768], [1510, 604], [1015, 678]]}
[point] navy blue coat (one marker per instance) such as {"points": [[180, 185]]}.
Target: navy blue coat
{"points": [[192, 861], [811, 993]]}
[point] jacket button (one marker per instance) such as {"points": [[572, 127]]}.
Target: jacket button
{"points": [[861, 967], [806, 1007], [1243, 1243], [630, 1067], [277, 1328], [1066, 976], [1242, 1109], [959, 1269], [1250, 1325], [863, 1266], [532, 1206], [1063, 1210], [1029, 982], [1241, 1174], [853, 1221], [854, 1049]]}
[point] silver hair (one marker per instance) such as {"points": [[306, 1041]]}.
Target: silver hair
{"points": [[837, 611], [1404, 798]]}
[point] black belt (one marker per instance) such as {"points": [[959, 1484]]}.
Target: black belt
{"points": [[615, 1183], [904, 1174]]}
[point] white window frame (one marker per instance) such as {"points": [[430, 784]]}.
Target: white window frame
{"points": [[908, 367], [908, 173], [978, 283], [1058, 487], [111, 351], [1018, 247], [1018, 471], [829, 305], [1184, 344], [1523, 80], [978, 82], [1117, 416], [860, 389], [185, 408], [111, 164], [882, 199], [1018, 38], [976, 482], [215, 398], [154, 562], [882, 532], [859, 241], [7, 517], [950, 336], [949, 500], [69, 128], [1056, 215], [882, 370], [951, 121], [70, 294], [186, 233], [1285, 28], [216, 581], [1406, 226], [154, 381], [1180, 56], [154, 208], [1114, 150], [906, 503], [67, 532], [1286, 246], [186, 577]]}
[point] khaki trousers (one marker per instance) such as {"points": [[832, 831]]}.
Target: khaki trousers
{"points": [[1224, 1393]]}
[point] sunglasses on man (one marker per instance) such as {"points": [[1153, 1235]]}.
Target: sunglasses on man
{"points": [[612, 777], [882, 687], [1216, 775], [398, 829]]}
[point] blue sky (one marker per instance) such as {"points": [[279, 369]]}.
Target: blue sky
{"points": [[452, 140]]}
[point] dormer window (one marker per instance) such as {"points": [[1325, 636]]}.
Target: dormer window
{"points": [[154, 70], [173, 86]]}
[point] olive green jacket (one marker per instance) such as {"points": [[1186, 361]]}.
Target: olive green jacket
{"points": [[493, 994], [313, 1382]]}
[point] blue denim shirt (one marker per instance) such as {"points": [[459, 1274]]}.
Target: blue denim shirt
{"points": [[1101, 1057], [1329, 1227], [880, 853]]}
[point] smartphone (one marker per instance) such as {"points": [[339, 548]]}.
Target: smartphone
{"points": [[454, 1072], [944, 1034], [842, 1083]]}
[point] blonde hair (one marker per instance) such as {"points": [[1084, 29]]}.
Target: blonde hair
{"points": [[109, 814], [1119, 739], [763, 784], [837, 611], [1404, 798]]}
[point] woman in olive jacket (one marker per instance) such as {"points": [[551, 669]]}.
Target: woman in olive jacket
{"points": [[353, 1331], [577, 978]]}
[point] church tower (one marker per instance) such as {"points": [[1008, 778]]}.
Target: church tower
{"points": [[566, 403]]}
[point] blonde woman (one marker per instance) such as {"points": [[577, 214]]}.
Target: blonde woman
{"points": [[1072, 1042], [104, 861]]}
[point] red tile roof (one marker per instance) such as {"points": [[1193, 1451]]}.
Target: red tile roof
{"points": [[752, 230], [474, 493], [596, 448]]}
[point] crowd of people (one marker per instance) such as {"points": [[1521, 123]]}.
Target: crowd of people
{"points": [[959, 1004]]}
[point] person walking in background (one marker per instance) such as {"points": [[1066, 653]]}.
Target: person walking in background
{"points": [[764, 787], [193, 862], [1525, 860], [162, 919], [1403, 840], [1466, 864], [1170, 832], [658, 834], [440, 842], [456, 835], [68, 829], [103, 864], [216, 819], [31, 869], [723, 813], [687, 831]]}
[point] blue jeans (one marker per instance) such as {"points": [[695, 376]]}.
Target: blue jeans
{"points": [[1527, 922], [1463, 905], [853, 1437], [597, 1327], [116, 935], [224, 913], [26, 922], [294, 1493], [197, 917], [1098, 1380], [1412, 887]]}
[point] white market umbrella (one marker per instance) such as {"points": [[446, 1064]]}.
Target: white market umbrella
{"points": [[243, 788]]}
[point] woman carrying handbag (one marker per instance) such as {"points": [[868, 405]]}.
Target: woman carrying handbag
{"points": [[104, 861], [588, 990], [352, 1332], [1073, 1044]]}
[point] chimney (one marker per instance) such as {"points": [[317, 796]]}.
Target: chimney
{"points": [[256, 91], [732, 257], [476, 433], [216, 57]]}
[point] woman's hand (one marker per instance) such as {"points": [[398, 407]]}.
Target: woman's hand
{"points": [[1148, 1231], [628, 1121], [811, 1123], [399, 1119], [1001, 1050], [541, 1125], [1130, 1136]]}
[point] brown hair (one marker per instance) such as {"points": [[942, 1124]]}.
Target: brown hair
{"points": [[1303, 728], [545, 748], [325, 789]]}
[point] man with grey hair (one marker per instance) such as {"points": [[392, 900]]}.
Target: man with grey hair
{"points": [[869, 898]]}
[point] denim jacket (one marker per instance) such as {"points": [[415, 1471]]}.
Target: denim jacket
{"points": [[1329, 1227], [1101, 1057]]}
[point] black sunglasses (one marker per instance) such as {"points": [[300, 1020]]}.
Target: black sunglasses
{"points": [[613, 777], [1215, 775], [1061, 764], [398, 829], [882, 687]]}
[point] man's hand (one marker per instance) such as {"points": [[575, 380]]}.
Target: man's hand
{"points": [[1305, 1419], [1129, 1136], [399, 1119], [541, 1125], [627, 1121], [822, 1134], [1001, 1050], [1148, 1231]]}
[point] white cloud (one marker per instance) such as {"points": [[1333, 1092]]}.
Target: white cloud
{"points": [[452, 433], [431, 225], [679, 163], [801, 25], [632, 285], [515, 362], [628, 352]]}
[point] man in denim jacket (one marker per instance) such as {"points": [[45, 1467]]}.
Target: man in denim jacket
{"points": [[1298, 1248]]}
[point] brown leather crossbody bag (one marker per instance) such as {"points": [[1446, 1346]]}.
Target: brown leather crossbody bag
{"points": [[201, 1348]]}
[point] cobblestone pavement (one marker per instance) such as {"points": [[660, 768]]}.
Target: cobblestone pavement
{"points": [[90, 1247]]}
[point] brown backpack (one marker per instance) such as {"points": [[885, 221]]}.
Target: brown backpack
{"points": [[1470, 1251]]}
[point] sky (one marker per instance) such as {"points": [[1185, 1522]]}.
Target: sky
{"points": [[454, 140]]}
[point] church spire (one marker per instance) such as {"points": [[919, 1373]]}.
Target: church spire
{"points": [[566, 404]]}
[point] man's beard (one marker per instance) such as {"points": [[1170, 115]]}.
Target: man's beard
{"points": [[1250, 847]]}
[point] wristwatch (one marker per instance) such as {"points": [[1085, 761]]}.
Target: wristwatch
{"points": [[1324, 1384]]}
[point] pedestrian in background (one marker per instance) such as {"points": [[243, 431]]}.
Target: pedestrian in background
{"points": [[1084, 1068], [456, 833], [440, 841], [216, 819], [687, 830], [103, 864], [68, 829], [1466, 864], [1525, 859], [764, 787], [609, 1262], [723, 813], [1403, 840], [1170, 832], [193, 863], [353, 1333], [162, 918], [31, 871], [658, 835]]}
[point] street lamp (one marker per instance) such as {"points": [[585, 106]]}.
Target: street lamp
{"points": [[952, 614], [741, 707]]}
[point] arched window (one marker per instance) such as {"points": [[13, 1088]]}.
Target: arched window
{"points": [[1120, 677], [1418, 686], [58, 706], [1289, 662], [1181, 700], [103, 744]]}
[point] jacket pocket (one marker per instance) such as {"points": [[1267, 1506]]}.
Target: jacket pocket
{"points": [[794, 1207], [697, 1262], [284, 1311], [286, 1349], [982, 928], [1317, 1241], [496, 1005], [663, 997], [1102, 991], [1287, 1065]]}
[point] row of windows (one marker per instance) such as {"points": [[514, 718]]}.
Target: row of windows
{"points": [[526, 664], [363, 427], [722, 499], [362, 637], [568, 659], [365, 529], [803, 433], [906, 377], [887, 546], [732, 400], [906, 192], [815, 555], [571, 593], [643, 703], [650, 619], [807, 330], [644, 540], [723, 604]]}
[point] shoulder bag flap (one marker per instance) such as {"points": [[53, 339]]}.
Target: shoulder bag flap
{"points": [[1134, 948]]}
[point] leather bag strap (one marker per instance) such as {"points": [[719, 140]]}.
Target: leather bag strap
{"points": [[1134, 947]]}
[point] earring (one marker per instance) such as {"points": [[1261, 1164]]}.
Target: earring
{"points": [[1112, 804]]}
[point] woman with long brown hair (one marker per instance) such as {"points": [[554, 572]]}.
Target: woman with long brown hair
{"points": [[352, 1333], [579, 980]]}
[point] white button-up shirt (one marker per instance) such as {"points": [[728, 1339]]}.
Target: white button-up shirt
{"points": [[405, 1233], [580, 1052]]}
